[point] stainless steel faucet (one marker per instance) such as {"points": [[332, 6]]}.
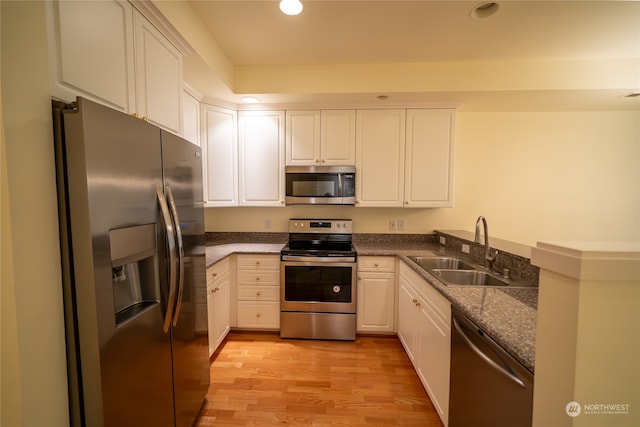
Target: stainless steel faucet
{"points": [[488, 259]]}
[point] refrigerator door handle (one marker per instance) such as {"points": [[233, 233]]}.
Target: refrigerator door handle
{"points": [[176, 222], [171, 243]]}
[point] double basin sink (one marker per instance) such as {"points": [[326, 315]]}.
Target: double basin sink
{"points": [[456, 272]]}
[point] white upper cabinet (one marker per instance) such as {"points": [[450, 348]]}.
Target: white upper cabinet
{"points": [[190, 118], [158, 77], [380, 141], [220, 156], [338, 137], [261, 158], [429, 158], [320, 137], [91, 52], [108, 52], [303, 137]]}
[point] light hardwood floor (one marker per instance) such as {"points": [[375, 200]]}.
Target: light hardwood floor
{"points": [[258, 379]]}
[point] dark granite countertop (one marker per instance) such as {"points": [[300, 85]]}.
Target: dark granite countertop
{"points": [[506, 315]]}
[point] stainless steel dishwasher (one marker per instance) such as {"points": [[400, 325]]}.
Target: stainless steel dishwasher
{"points": [[489, 388]]}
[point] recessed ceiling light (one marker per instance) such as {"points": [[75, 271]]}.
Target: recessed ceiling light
{"points": [[383, 97], [484, 10], [291, 7], [249, 99], [633, 95]]}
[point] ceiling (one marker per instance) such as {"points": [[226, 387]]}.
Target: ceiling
{"points": [[332, 32]]}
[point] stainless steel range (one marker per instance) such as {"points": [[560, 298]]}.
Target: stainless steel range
{"points": [[318, 280]]}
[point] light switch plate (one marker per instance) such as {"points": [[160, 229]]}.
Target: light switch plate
{"points": [[465, 249], [443, 240]]}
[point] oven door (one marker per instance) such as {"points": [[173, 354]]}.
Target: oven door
{"points": [[316, 286]]}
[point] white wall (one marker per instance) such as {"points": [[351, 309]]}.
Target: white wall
{"points": [[34, 388], [534, 175]]}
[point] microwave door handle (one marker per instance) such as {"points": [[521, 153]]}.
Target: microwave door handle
{"points": [[340, 193], [180, 250], [171, 244]]}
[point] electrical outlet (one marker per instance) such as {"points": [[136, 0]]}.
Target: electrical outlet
{"points": [[400, 224], [267, 223], [465, 249], [392, 224], [443, 240]]}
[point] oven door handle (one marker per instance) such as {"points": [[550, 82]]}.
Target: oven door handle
{"points": [[317, 258]]}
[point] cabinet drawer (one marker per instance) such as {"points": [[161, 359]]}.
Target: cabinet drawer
{"points": [[259, 293], [385, 264], [258, 314], [258, 262], [216, 272], [256, 278]]}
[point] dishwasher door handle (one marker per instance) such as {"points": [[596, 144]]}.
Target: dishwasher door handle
{"points": [[486, 358]]}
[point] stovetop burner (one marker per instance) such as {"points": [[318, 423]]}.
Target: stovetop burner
{"points": [[328, 238]]}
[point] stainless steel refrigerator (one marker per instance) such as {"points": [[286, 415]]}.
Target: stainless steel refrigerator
{"points": [[133, 258]]}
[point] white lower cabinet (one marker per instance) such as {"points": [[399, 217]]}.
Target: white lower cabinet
{"points": [[424, 319], [376, 294], [258, 291], [218, 303]]}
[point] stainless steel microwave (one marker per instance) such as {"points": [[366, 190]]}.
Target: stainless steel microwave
{"points": [[320, 185]]}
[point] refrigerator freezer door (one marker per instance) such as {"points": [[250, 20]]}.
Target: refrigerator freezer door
{"points": [[113, 166], [183, 176]]}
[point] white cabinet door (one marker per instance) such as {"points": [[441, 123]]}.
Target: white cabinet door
{"points": [[218, 303], [429, 158], [376, 301], [338, 137], [407, 318], [261, 154], [433, 363], [321, 137], [91, 51], [380, 140], [191, 118], [158, 76], [303, 137], [221, 314], [220, 156]]}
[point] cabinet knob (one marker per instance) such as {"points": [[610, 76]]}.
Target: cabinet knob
{"points": [[257, 279], [257, 294], [135, 115], [375, 265], [406, 202], [258, 315], [214, 274]]}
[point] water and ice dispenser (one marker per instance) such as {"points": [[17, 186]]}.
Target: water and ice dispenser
{"points": [[134, 270]]}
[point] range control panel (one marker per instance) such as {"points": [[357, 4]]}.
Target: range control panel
{"points": [[325, 226]]}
